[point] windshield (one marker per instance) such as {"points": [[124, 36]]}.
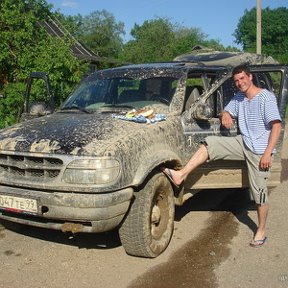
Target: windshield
{"points": [[101, 92]]}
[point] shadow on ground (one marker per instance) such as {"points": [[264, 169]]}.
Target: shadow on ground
{"points": [[105, 240], [193, 265], [206, 200]]}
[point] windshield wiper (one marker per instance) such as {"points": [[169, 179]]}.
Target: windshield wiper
{"points": [[111, 108], [117, 106], [74, 107]]}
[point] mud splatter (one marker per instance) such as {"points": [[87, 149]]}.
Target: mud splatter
{"points": [[2, 234], [10, 143], [45, 145], [194, 264], [284, 172], [9, 252]]}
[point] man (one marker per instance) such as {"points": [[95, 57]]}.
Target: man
{"points": [[260, 126]]}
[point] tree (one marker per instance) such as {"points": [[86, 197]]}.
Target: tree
{"points": [[274, 32], [26, 47], [152, 42], [160, 40], [72, 23], [99, 30], [187, 38]]}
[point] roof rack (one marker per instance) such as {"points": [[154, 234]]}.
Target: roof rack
{"points": [[212, 57]]}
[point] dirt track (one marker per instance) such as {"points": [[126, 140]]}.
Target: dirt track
{"points": [[209, 248], [199, 255]]}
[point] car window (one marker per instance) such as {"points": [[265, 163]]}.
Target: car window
{"points": [[152, 89], [196, 85], [269, 80], [137, 92]]}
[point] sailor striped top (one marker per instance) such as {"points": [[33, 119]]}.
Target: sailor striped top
{"points": [[254, 118]]}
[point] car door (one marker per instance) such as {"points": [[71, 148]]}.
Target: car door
{"points": [[275, 79], [217, 91]]}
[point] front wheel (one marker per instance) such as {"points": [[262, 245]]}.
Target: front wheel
{"points": [[148, 227]]}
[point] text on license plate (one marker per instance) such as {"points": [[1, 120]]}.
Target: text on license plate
{"points": [[18, 203]]}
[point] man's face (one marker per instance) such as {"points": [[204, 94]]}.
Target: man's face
{"points": [[243, 81]]}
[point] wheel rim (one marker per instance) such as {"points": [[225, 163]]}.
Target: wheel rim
{"points": [[159, 214]]}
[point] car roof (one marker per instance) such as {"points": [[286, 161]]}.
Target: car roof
{"points": [[209, 57], [198, 60], [165, 67]]}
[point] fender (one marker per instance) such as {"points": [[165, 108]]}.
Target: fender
{"points": [[155, 160]]}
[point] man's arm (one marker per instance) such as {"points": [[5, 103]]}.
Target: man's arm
{"points": [[266, 159]]}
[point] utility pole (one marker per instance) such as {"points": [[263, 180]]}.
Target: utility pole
{"points": [[258, 28]]}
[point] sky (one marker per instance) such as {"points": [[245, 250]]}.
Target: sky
{"points": [[217, 19]]}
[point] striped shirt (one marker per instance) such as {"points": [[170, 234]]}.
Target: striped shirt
{"points": [[254, 118]]}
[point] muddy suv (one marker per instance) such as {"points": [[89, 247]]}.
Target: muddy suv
{"points": [[94, 165]]}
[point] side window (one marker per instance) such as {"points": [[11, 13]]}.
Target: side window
{"points": [[197, 86], [228, 90], [194, 88], [269, 80]]}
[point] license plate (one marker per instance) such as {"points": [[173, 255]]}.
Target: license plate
{"points": [[18, 204]]}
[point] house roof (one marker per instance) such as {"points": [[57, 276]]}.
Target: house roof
{"points": [[56, 29]]}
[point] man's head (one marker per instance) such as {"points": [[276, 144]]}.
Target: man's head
{"points": [[241, 68], [242, 77]]}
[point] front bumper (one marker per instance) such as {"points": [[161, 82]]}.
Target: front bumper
{"points": [[75, 212]]}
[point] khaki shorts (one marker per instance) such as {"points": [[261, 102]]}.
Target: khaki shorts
{"points": [[233, 148]]}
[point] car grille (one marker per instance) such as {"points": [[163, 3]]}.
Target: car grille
{"points": [[30, 168]]}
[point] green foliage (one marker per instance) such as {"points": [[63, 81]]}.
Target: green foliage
{"points": [[64, 70], [160, 40], [274, 32], [13, 101], [26, 47], [185, 39], [99, 31], [17, 31], [71, 23], [152, 42]]}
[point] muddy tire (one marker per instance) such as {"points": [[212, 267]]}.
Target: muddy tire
{"points": [[148, 227]]}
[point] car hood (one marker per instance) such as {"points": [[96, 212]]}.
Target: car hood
{"points": [[68, 133]]}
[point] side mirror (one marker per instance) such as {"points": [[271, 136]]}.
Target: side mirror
{"points": [[202, 112], [50, 98], [36, 109], [40, 109]]}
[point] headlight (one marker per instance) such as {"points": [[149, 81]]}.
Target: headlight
{"points": [[92, 171]]}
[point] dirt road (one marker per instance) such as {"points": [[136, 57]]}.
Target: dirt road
{"points": [[209, 248]]}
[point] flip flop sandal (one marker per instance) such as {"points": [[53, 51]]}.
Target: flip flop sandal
{"points": [[258, 243], [168, 173]]}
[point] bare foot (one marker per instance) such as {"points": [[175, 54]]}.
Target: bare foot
{"points": [[259, 236]]}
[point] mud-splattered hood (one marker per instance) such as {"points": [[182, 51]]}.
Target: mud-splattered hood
{"points": [[67, 133]]}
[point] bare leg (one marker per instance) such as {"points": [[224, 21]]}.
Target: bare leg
{"points": [[200, 156], [262, 213]]}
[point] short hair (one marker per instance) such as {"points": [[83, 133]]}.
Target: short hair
{"points": [[241, 68]]}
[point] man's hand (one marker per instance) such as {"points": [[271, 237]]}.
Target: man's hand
{"points": [[265, 161], [226, 119]]}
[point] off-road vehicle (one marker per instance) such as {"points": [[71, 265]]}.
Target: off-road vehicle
{"points": [[95, 163]]}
